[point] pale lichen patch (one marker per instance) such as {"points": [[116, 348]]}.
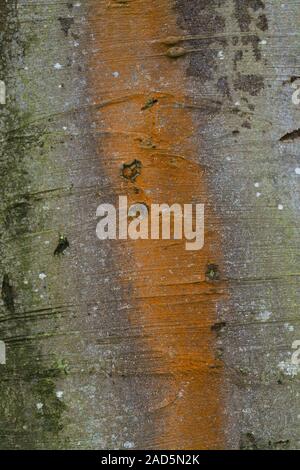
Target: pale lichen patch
{"points": [[2, 92]]}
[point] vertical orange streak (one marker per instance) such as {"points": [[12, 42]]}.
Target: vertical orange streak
{"points": [[175, 306]]}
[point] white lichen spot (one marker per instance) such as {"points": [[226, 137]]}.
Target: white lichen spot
{"points": [[288, 368], [58, 66], [263, 42], [237, 103], [128, 445], [2, 92], [116, 74], [258, 194], [256, 185], [59, 394], [39, 406], [280, 207], [289, 327], [265, 315], [297, 171], [2, 353], [42, 276], [221, 55]]}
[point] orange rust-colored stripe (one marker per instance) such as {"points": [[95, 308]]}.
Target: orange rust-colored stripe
{"points": [[175, 305]]}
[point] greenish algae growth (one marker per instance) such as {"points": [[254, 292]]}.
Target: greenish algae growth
{"points": [[30, 411]]}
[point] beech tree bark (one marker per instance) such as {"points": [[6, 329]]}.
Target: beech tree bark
{"points": [[141, 344]]}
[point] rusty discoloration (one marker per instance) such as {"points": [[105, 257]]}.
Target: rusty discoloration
{"points": [[171, 40], [175, 52], [173, 303]]}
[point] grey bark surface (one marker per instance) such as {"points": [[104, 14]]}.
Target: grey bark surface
{"points": [[56, 340], [250, 64]]}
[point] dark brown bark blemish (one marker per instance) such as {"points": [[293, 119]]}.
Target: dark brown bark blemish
{"points": [[7, 293], [131, 171], [254, 41], [149, 103], [246, 125], [218, 327], [243, 14], [202, 17], [290, 136], [223, 86], [250, 442], [238, 56], [262, 23], [66, 24], [63, 244], [212, 272], [252, 84]]}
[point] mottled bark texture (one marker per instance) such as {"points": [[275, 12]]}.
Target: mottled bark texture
{"points": [[144, 345]]}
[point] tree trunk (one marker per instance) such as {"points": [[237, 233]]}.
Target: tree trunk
{"points": [[124, 344]]}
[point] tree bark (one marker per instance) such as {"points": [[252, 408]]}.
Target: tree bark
{"points": [[142, 344]]}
